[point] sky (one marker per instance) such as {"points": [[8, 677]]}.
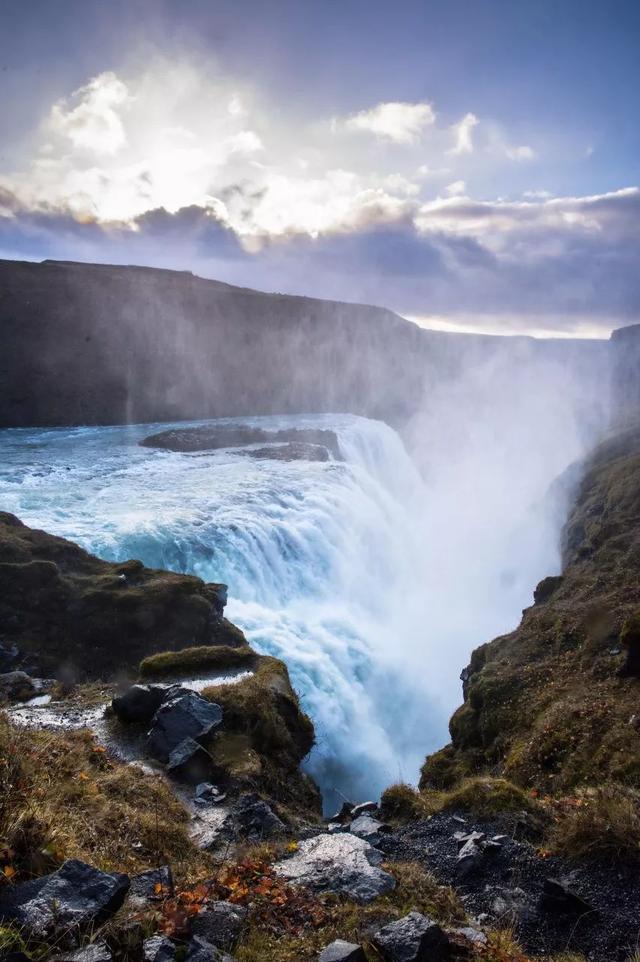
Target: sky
{"points": [[470, 164]]}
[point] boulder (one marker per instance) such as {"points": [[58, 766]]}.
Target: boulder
{"points": [[198, 950], [220, 924], [138, 704], [158, 949], [189, 762], [254, 820], [475, 936], [414, 938], [369, 828], [340, 862], [19, 686], [340, 951], [511, 905], [75, 896], [364, 808], [146, 884], [559, 898], [185, 715], [207, 794]]}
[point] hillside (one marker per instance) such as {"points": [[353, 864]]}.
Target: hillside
{"points": [[97, 344]]}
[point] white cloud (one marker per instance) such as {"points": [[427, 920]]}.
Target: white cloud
{"points": [[402, 123], [523, 152], [91, 117], [456, 188], [244, 142], [463, 132]]}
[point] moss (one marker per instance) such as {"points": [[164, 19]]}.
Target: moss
{"points": [[203, 658], [402, 803], [603, 823], [265, 711]]}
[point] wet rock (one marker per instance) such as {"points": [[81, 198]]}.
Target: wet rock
{"points": [[344, 815], [290, 451], [254, 820], [414, 938], [369, 828], [186, 715], [220, 924], [558, 897], [189, 762], [338, 863], [340, 951], [158, 949], [138, 704], [198, 950], [98, 952], [74, 896], [145, 885]]}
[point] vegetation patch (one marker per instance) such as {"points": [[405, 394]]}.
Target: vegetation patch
{"points": [[205, 658]]}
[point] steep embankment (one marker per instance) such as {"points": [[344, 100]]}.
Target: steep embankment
{"points": [[96, 344], [554, 704]]}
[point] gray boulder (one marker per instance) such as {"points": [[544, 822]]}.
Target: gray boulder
{"points": [[559, 898], [189, 762], [364, 808], [138, 704], [19, 686], [340, 951], [254, 820], [184, 715], [414, 938], [369, 828], [158, 949], [340, 862], [75, 896], [199, 950], [220, 924]]}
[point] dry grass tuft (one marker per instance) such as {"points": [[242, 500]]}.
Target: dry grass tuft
{"points": [[599, 823]]}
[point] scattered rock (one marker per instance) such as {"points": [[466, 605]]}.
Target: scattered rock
{"points": [[340, 951], [220, 924], [158, 949], [207, 794], [414, 938], [138, 704], [475, 936], [199, 950], [74, 896], [189, 762], [186, 715], [511, 905], [146, 884], [339, 862], [254, 820], [559, 898], [344, 815]]}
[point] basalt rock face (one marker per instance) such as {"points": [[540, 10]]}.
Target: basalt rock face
{"points": [[68, 607], [625, 349], [554, 704], [97, 344]]}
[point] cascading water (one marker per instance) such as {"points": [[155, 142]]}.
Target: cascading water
{"points": [[331, 566]]}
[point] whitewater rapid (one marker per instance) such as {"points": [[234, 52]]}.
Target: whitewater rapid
{"points": [[331, 566]]}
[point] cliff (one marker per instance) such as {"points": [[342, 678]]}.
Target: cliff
{"points": [[97, 344], [554, 704]]}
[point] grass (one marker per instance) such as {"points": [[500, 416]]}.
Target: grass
{"points": [[603, 823], [203, 658], [61, 796], [480, 796]]}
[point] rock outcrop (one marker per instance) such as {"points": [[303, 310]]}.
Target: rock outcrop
{"points": [[71, 609]]}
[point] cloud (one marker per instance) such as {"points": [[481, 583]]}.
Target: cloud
{"points": [[402, 123], [463, 134], [456, 188], [523, 152], [91, 117]]}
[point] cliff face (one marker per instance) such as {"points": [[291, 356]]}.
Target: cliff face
{"points": [[554, 704], [625, 350], [94, 344]]}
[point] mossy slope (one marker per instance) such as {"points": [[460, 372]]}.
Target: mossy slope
{"points": [[71, 608]]}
